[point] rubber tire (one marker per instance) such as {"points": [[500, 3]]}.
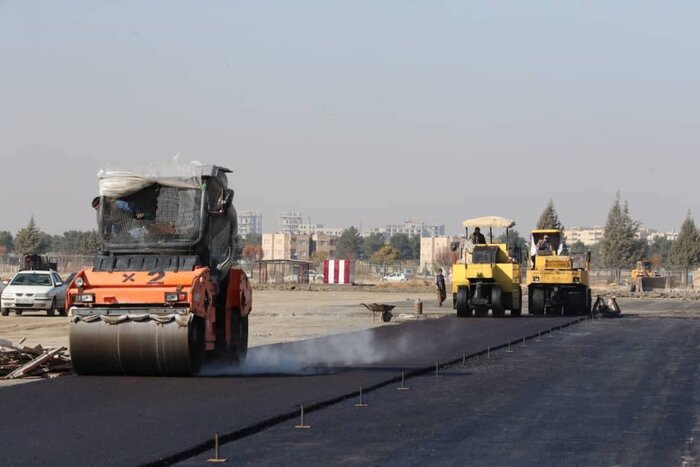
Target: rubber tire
{"points": [[536, 301], [5, 311], [18, 312], [52, 310], [463, 310], [497, 307]]}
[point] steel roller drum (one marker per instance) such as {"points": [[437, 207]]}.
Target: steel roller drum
{"points": [[145, 347]]}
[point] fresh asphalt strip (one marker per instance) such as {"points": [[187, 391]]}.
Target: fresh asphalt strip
{"points": [[79, 420]]}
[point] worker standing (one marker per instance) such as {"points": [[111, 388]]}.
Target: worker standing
{"points": [[440, 287]]}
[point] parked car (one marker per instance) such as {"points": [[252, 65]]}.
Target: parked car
{"points": [[395, 277], [34, 290]]}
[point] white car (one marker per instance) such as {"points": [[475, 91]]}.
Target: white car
{"points": [[34, 290], [395, 277]]}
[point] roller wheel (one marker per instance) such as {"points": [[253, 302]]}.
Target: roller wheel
{"points": [[536, 302], [137, 348], [239, 333], [5, 311], [463, 310], [18, 312], [497, 307], [52, 310]]}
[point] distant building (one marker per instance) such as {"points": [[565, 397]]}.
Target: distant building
{"points": [[435, 252], [249, 222], [592, 235], [322, 243], [289, 222], [286, 246], [647, 234], [586, 235], [411, 228], [311, 229]]}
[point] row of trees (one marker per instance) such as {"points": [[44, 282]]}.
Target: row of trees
{"points": [[32, 240], [621, 248]]}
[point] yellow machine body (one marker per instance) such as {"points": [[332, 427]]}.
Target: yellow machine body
{"points": [[557, 282]]}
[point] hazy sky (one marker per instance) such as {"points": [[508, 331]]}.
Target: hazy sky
{"points": [[358, 112]]}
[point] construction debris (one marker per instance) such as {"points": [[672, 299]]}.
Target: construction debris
{"points": [[19, 362], [606, 306]]}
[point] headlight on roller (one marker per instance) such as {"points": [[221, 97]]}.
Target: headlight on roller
{"points": [[84, 298], [175, 296], [79, 282]]}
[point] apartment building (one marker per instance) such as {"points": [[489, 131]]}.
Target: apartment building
{"points": [[435, 252], [249, 222], [411, 228], [323, 243], [586, 235], [286, 246], [289, 222]]}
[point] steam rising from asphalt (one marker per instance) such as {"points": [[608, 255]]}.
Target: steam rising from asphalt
{"points": [[316, 355]]}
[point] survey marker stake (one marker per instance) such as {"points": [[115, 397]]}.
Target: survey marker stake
{"points": [[488, 352], [361, 403], [509, 347], [437, 369], [523, 342], [403, 387], [538, 338], [302, 425], [464, 360], [216, 459]]}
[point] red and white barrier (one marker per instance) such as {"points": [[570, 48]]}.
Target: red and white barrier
{"points": [[338, 271]]}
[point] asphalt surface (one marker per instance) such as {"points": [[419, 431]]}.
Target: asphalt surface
{"points": [[607, 392], [137, 420]]}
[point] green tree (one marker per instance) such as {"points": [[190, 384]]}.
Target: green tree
{"points": [[659, 250], [372, 243], [686, 248], [252, 239], [578, 247], [620, 247], [387, 254], [414, 243], [92, 245], [31, 240], [549, 219], [6, 242], [402, 243], [349, 244], [516, 244]]}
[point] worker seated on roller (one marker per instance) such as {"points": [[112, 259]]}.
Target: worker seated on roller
{"points": [[477, 237], [544, 246], [141, 205]]}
